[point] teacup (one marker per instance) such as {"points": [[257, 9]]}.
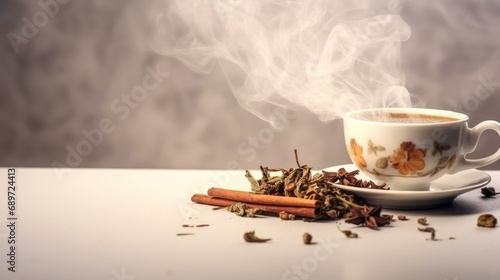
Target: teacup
{"points": [[408, 148]]}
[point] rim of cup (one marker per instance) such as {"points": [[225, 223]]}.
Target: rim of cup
{"points": [[355, 116]]}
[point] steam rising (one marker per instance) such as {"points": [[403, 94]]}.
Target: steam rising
{"points": [[329, 57]]}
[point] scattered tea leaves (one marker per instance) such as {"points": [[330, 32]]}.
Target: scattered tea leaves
{"points": [[301, 182], [250, 237], [486, 220]]}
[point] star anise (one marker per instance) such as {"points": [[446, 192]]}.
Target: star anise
{"points": [[368, 216]]}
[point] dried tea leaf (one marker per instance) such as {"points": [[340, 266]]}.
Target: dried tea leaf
{"points": [[184, 233], [251, 212], [255, 186], [242, 210], [486, 220], [307, 238], [250, 237], [202, 225], [433, 235], [334, 214], [402, 218], [348, 233], [422, 221], [427, 229], [431, 230], [237, 208]]}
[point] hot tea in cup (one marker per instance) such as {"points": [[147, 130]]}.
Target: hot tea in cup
{"points": [[408, 148]]}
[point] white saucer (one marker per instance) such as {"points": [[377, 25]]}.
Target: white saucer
{"points": [[442, 191]]}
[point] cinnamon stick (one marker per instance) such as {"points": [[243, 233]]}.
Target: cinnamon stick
{"points": [[309, 212], [249, 197]]}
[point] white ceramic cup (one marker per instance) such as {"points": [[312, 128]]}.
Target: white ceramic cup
{"points": [[387, 147]]}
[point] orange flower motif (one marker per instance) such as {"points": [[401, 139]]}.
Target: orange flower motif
{"points": [[407, 159], [356, 152]]}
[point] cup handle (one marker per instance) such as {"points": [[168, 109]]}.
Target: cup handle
{"points": [[471, 140]]}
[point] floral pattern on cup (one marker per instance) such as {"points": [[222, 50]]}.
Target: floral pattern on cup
{"points": [[407, 159], [356, 152]]}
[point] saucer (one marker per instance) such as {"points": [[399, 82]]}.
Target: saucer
{"points": [[441, 193]]}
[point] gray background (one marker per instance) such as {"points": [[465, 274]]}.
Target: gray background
{"points": [[66, 78]]}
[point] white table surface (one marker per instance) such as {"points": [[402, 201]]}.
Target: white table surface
{"points": [[121, 224]]}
